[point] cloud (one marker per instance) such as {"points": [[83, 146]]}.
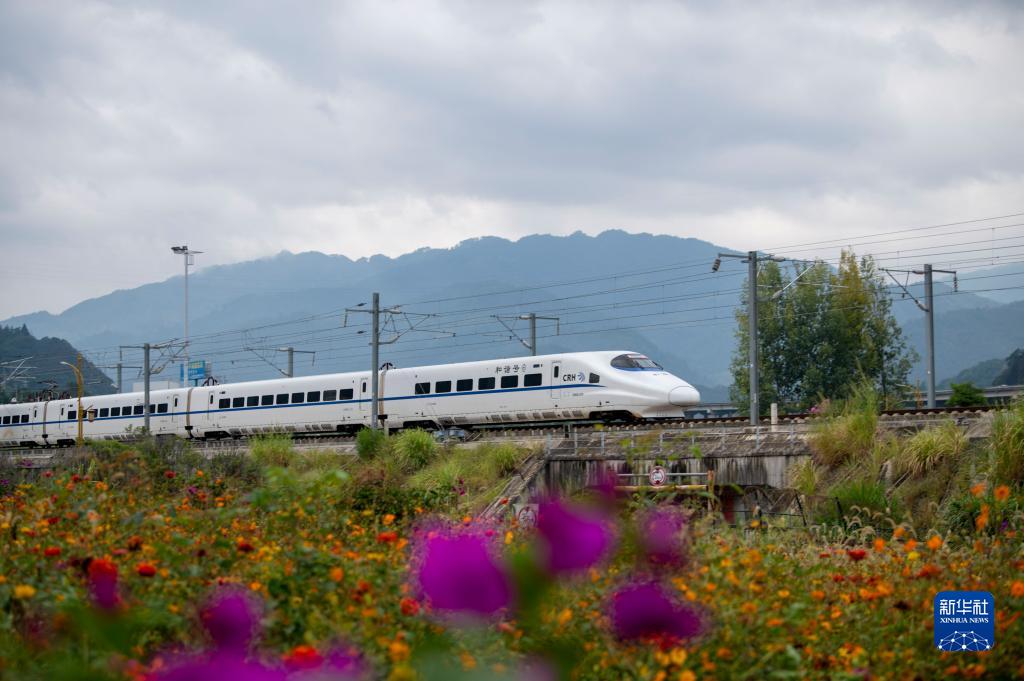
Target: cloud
{"points": [[367, 127]]}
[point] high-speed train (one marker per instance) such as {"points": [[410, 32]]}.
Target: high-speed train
{"points": [[572, 386]]}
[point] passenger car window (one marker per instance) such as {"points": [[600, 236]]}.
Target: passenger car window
{"points": [[443, 387], [104, 412], [224, 403], [115, 411], [298, 398], [252, 401], [423, 388], [267, 400], [238, 402], [464, 385], [330, 395], [24, 418], [137, 409], [485, 383], [161, 408], [532, 380], [6, 421], [282, 398], [313, 396], [510, 381], [345, 394]]}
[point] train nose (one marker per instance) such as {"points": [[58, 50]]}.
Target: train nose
{"points": [[684, 396]]}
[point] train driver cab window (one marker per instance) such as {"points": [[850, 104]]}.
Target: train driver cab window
{"points": [[530, 380], [423, 388], [594, 378], [443, 387], [104, 412], [510, 381], [635, 363], [485, 383], [224, 403], [330, 395], [298, 398], [267, 400], [237, 402], [464, 385]]}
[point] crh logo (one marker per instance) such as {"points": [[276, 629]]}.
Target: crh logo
{"points": [[573, 377]]}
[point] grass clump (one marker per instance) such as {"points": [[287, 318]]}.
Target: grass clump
{"points": [[1008, 446], [848, 433], [414, 449], [928, 448], [273, 450], [370, 443], [858, 499], [503, 459], [805, 477]]}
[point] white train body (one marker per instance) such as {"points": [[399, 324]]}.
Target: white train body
{"points": [[518, 390]]}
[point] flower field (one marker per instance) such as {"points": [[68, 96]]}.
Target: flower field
{"points": [[148, 564]]}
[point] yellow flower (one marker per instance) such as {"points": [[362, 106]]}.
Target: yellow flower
{"points": [[678, 656], [687, 675], [1002, 493], [24, 591], [783, 593]]}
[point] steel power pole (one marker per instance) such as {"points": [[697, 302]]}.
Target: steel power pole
{"points": [[375, 363], [755, 413], [145, 386]]}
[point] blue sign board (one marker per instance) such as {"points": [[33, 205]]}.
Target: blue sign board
{"points": [[965, 621], [198, 370]]}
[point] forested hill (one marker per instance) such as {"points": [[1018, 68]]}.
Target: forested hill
{"points": [[30, 365]]}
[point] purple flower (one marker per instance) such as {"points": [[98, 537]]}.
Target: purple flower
{"points": [[230, 618], [221, 667], [662, 536], [645, 610], [458, 573], [574, 539]]}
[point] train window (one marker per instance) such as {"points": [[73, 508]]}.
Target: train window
{"points": [[556, 370], [24, 418], [364, 386], [443, 387], [252, 401], [313, 396], [152, 409], [464, 385], [298, 398], [510, 381], [634, 362], [423, 388], [266, 400], [532, 380], [237, 402], [282, 398], [485, 383], [137, 410], [594, 378], [115, 411], [330, 395], [345, 394], [161, 408], [7, 421], [104, 412], [224, 403], [72, 416], [126, 411]]}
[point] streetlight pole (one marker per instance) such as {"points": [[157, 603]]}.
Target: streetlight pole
{"points": [[78, 377], [189, 256]]}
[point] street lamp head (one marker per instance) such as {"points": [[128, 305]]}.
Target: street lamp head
{"points": [[716, 264], [180, 250]]}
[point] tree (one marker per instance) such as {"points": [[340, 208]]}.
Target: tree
{"points": [[830, 329], [966, 395]]}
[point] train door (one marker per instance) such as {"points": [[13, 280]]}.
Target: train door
{"points": [[556, 379], [363, 395]]}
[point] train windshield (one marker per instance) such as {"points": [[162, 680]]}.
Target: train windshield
{"points": [[635, 363]]}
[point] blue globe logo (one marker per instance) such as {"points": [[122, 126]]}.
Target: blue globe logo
{"points": [[960, 641]]}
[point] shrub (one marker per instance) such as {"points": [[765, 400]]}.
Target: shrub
{"points": [[414, 449], [859, 499], [966, 395], [272, 450], [504, 459], [1008, 446], [370, 443], [850, 433], [927, 448]]}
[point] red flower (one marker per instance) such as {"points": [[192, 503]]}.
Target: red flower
{"points": [[103, 583], [928, 571], [303, 657], [410, 606], [53, 521], [169, 475], [387, 537], [146, 570], [51, 551], [244, 546], [856, 554]]}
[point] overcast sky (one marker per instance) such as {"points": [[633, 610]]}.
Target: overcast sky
{"points": [[244, 129]]}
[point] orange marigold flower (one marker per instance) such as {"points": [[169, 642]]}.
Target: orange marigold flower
{"points": [[387, 537], [935, 542], [928, 571], [337, 574], [51, 551], [410, 606], [818, 595], [1017, 589], [145, 570], [910, 545], [982, 520], [1002, 493], [856, 554], [978, 489], [388, 518], [899, 532], [879, 544]]}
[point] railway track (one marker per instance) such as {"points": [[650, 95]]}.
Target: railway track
{"points": [[539, 431]]}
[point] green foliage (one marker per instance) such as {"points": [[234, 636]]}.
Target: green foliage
{"points": [[849, 434], [805, 477], [504, 458], [370, 443], [1007, 445], [272, 450], [414, 449], [929, 447], [860, 500], [47, 355], [829, 330], [966, 395]]}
